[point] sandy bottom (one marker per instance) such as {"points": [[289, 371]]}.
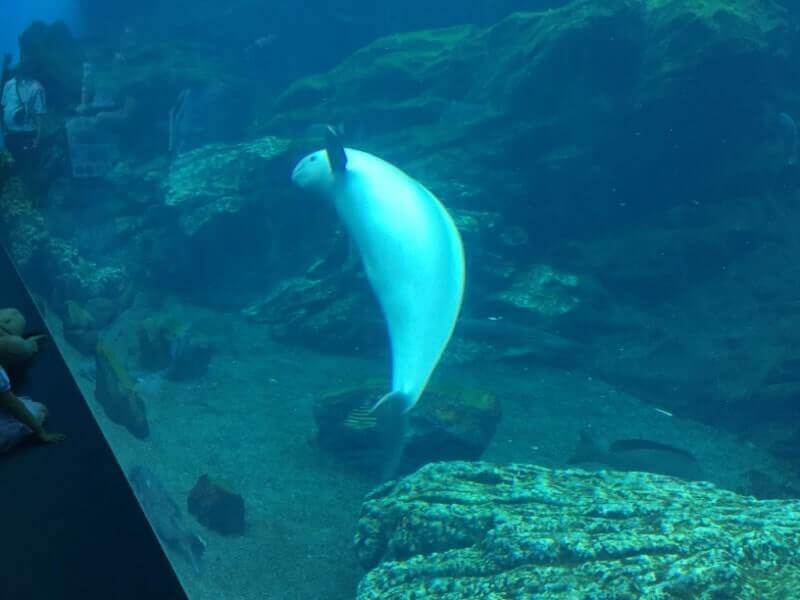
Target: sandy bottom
{"points": [[249, 422]]}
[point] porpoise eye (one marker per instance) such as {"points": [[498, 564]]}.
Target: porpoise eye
{"points": [[313, 158]]}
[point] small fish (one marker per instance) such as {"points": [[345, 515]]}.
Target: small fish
{"points": [[265, 40], [165, 517], [361, 418], [638, 455], [260, 44]]}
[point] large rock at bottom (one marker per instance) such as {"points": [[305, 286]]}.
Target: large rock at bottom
{"points": [[448, 423], [116, 393], [459, 530], [216, 506]]}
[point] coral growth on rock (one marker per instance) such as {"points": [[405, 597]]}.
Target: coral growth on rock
{"points": [[460, 530]]}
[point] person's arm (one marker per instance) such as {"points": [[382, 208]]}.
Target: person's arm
{"points": [[15, 349]]}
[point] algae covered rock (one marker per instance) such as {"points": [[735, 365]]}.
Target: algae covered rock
{"points": [[475, 530], [336, 313], [172, 346], [39, 255], [470, 106], [448, 423], [219, 180], [224, 212], [76, 277], [216, 506], [543, 292], [116, 393]]}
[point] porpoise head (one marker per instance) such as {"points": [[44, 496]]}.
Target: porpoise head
{"points": [[318, 171], [313, 173]]}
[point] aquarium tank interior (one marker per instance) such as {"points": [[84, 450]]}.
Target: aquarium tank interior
{"points": [[405, 300]]}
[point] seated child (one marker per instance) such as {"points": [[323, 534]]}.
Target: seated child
{"points": [[17, 349], [23, 412]]}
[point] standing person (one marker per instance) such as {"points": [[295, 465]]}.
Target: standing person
{"points": [[23, 103]]}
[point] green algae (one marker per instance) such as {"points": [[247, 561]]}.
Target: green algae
{"points": [[477, 530]]}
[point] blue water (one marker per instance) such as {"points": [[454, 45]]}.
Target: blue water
{"points": [[623, 176]]}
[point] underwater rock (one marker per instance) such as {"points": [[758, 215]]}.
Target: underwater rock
{"points": [[23, 226], [477, 530], [335, 314], [116, 393], [79, 279], [104, 310], [219, 180], [217, 507], [80, 328], [448, 423], [167, 344], [43, 257], [225, 211], [540, 292], [467, 105], [766, 486], [503, 339]]}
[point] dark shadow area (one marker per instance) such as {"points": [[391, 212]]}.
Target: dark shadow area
{"points": [[71, 527]]}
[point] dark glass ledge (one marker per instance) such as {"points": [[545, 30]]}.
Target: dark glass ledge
{"points": [[70, 527]]}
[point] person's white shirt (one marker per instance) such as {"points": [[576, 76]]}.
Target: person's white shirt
{"points": [[23, 100]]}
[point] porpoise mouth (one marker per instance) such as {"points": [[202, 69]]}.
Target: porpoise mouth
{"points": [[295, 172]]}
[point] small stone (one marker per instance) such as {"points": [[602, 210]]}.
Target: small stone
{"points": [[216, 506]]}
